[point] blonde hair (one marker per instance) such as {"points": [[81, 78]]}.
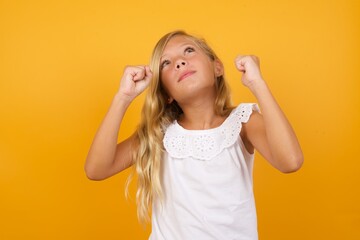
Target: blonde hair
{"points": [[157, 114]]}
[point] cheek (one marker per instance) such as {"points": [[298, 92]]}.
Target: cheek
{"points": [[165, 82], [209, 72], [165, 76]]}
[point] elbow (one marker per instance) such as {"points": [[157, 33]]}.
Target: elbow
{"points": [[293, 164], [92, 174], [93, 177]]}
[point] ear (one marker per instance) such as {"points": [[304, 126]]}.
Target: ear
{"points": [[218, 67], [170, 100]]}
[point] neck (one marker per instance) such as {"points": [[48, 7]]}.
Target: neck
{"points": [[200, 115]]}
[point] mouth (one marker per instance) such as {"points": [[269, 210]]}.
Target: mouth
{"points": [[185, 75]]}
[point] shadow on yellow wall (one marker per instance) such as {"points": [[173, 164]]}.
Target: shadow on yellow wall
{"points": [[61, 63]]}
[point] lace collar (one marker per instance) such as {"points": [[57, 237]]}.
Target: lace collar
{"points": [[206, 144]]}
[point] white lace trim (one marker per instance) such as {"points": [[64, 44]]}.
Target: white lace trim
{"points": [[206, 144]]}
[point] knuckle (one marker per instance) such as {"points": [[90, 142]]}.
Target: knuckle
{"points": [[127, 68]]}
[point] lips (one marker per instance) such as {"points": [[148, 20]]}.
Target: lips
{"points": [[185, 75]]}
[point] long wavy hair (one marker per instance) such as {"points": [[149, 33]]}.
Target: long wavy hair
{"points": [[156, 115]]}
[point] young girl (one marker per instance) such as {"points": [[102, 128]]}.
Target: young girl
{"points": [[193, 152]]}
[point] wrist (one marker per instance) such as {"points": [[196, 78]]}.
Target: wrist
{"points": [[123, 99], [258, 86]]}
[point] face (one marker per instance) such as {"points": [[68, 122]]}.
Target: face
{"points": [[186, 71]]}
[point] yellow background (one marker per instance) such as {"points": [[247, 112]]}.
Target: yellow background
{"points": [[60, 66]]}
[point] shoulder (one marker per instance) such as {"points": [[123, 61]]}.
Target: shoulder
{"points": [[251, 120], [254, 124], [245, 111]]}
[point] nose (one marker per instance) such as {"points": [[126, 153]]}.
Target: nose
{"points": [[180, 63]]}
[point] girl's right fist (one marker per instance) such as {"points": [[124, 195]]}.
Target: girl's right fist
{"points": [[134, 81]]}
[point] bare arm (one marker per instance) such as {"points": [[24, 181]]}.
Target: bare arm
{"points": [[106, 157], [270, 132]]}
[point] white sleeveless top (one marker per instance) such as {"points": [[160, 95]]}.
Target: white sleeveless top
{"points": [[207, 181]]}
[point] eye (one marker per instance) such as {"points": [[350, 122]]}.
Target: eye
{"points": [[164, 64], [189, 50]]}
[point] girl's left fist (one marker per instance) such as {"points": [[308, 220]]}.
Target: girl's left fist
{"points": [[249, 65]]}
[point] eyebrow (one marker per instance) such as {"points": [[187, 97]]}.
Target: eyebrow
{"points": [[184, 44]]}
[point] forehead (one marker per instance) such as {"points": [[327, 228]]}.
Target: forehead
{"points": [[176, 42], [179, 39]]}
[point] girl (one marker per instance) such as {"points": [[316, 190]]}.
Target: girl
{"points": [[193, 152]]}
